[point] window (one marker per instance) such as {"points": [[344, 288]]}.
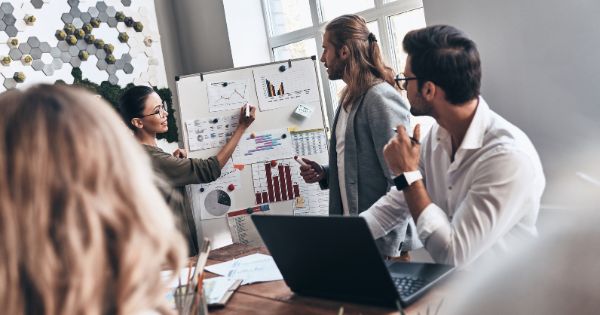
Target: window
{"points": [[334, 8], [307, 47], [288, 15], [296, 29], [400, 25]]}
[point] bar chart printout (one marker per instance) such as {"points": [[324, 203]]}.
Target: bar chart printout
{"points": [[271, 89], [263, 146], [275, 181], [295, 85]]}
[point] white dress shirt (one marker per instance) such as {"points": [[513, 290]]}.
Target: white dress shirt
{"points": [[340, 145], [484, 200]]}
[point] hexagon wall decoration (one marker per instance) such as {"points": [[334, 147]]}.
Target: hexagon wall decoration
{"points": [[109, 40]]}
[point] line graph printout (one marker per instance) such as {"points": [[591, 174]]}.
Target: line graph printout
{"points": [[295, 85], [227, 95], [263, 146], [211, 132]]}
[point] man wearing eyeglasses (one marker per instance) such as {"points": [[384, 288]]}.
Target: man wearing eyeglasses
{"points": [[474, 184]]}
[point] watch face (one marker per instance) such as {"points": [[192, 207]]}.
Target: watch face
{"points": [[400, 182]]}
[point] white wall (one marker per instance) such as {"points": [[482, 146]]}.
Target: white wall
{"points": [[197, 33], [194, 39], [540, 71], [247, 32]]}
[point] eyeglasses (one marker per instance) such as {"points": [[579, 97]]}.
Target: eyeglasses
{"points": [[402, 81], [161, 111]]}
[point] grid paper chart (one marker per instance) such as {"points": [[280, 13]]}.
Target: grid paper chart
{"points": [[309, 142]]}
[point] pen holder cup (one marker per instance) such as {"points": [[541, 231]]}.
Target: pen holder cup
{"points": [[190, 303]]}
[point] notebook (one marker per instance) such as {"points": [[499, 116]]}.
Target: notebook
{"points": [[336, 258]]}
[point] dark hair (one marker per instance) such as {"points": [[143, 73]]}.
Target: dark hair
{"points": [[365, 65], [131, 104], [445, 56]]}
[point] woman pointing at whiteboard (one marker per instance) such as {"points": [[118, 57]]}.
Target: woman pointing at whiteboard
{"points": [[145, 113]]}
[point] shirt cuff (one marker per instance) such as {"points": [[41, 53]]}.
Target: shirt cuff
{"points": [[430, 220], [376, 229]]}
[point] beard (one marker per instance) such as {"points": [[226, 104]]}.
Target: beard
{"points": [[336, 70], [419, 107]]}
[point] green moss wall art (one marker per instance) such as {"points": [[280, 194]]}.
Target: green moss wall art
{"points": [[112, 93]]}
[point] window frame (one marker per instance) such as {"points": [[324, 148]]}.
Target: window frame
{"points": [[381, 12]]}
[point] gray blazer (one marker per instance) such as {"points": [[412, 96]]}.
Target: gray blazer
{"points": [[369, 128]]}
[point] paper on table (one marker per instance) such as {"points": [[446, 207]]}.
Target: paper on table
{"points": [[216, 288], [250, 269]]}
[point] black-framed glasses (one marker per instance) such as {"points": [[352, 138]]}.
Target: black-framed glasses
{"points": [[161, 111], [402, 81]]}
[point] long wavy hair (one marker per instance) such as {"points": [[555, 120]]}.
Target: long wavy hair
{"points": [[365, 66], [83, 228]]}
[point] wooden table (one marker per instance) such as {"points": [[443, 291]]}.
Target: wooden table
{"points": [[276, 298]]}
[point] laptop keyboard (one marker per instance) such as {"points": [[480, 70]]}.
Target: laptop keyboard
{"points": [[408, 285]]}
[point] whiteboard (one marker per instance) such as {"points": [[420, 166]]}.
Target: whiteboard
{"points": [[280, 91]]}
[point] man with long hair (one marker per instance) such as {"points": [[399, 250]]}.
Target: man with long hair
{"points": [[483, 178], [370, 107]]}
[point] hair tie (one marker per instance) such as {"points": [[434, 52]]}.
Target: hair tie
{"points": [[372, 38]]}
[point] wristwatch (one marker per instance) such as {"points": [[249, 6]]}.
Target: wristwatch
{"points": [[406, 179]]}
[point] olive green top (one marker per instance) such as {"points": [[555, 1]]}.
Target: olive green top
{"points": [[178, 173]]}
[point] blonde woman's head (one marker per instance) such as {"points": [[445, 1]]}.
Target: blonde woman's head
{"points": [[83, 229]]}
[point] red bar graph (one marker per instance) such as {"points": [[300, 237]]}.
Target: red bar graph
{"points": [[282, 181], [277, 188], [288, 181], [258, 198], [277, 179], [269, 182]]}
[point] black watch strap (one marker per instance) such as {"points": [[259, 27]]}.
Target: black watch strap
{"points": [[400, 182]]}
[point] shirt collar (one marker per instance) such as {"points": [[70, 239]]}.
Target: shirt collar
{"points": [[474, 136]]}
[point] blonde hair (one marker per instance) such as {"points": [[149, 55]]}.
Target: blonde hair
{"points": [[365, 66], [83, 228]]}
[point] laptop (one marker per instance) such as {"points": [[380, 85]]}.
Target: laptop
{"points": [[336, 258]]}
